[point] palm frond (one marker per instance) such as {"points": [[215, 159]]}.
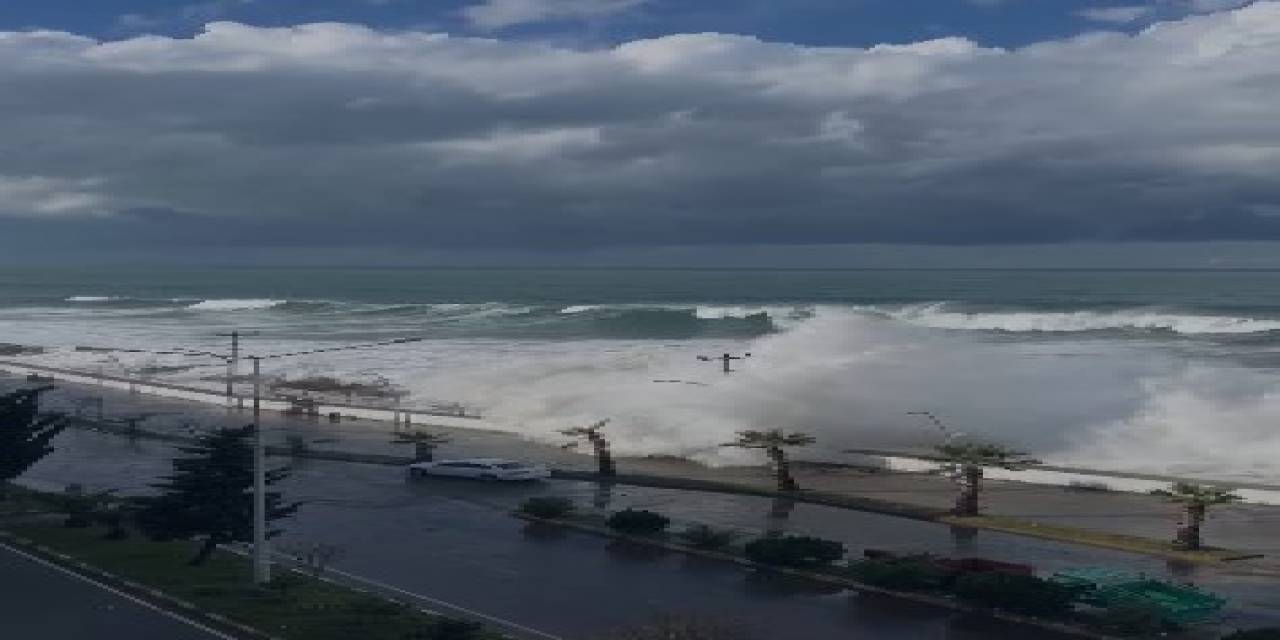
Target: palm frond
{"points": [[1196, 494], [756, 439], [985, 454]]}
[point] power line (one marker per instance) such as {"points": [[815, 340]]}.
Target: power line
{"points": [[352, 347]]}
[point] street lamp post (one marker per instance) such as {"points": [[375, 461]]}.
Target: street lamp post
{"points": [[233, 363], [261, 554]]}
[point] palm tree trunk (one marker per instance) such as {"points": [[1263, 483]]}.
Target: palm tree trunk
{"points": [[1188, 537], [206, 550], [967, 504], [783, 469], [604, 459], [423, 452], [779, 512]]}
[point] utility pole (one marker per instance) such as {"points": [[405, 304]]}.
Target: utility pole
{"points": [[233, 363], [261, 555], [726, 359]]}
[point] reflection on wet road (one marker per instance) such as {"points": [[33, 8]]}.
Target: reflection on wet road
{"points": [[454, 541]]}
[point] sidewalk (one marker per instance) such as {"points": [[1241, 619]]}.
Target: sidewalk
{"points": [[1248, 528]]}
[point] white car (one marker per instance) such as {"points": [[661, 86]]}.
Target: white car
{"points": [[480, 469]]}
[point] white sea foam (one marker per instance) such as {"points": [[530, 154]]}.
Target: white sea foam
{"points": [[710, 312], [579, 308], [235, 304], [479, 309], [844, 375], [780, 316], [940, 316]]}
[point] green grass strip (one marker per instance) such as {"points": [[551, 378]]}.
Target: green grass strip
{"points": [[295, 606]]}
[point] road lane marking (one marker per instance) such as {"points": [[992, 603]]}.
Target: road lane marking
{"points": [[169, 614], [441, 603], [502, 622]]}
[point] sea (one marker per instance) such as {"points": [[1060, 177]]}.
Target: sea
{"points": [[1158, 371]]}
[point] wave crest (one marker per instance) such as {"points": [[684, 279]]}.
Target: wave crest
{"points": [[938, 316], [235, 304]]}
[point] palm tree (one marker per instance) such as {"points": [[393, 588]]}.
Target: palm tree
{"points": [[1195, 500], [966, 460], [424, 443], [592, 434], [773, 442]]}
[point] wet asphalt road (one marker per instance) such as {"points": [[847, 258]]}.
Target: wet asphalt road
{"points": [[39, 601], [455, 541]]}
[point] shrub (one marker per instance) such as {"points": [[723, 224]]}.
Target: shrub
{"points": [[794, 551], [1132, 620], [549, 507], [113, 520], [447, 629], [79, 505], [76, 520], [297, 444], [371, 606], [1015, 593], [453, 629], [701, 536], [902, 575], [679, 628], [638, 521], [1265, 633]]}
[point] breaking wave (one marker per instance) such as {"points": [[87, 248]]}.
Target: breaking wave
{"points": [[235, 304], [91, 299], [941, 316]]}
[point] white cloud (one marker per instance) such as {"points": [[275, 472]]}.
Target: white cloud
{"points": [[499, 14], [411, 136], [1117, 15], [1155, 10], [522, 146], [31, 196], [182, 14]]}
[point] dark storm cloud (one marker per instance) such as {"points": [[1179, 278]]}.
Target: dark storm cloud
{"points": [[337, 134]]}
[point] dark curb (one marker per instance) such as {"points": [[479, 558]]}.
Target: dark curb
{"points": [[853, 503], [142, 592], [847, 583]]}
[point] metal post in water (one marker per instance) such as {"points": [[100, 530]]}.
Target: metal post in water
{"points": [[231, 392], [725, 360]]}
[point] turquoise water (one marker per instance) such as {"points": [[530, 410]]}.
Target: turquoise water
{"points": [[672, 303], [1049, 289]]}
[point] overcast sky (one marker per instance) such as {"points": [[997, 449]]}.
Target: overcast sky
{"points": [[620, 125]]}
